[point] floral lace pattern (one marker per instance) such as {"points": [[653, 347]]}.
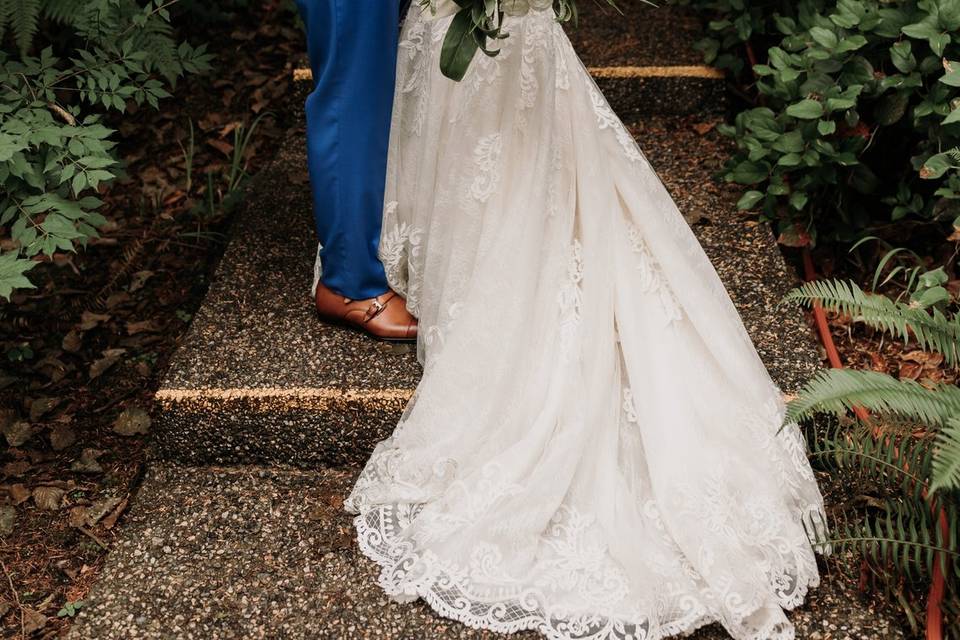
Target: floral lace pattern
{"points": [[594, 450], [487, 156], [652, 279]]}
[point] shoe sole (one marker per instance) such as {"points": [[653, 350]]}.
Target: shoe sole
{"points": [[343, 324]]}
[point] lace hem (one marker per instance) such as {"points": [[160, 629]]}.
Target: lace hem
{"points": [[408, 575]]}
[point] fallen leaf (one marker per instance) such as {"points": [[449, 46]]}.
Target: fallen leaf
{"points": [[17, 433], [8, 518], [73, 341], [99, 509], [62, 437], [41, 406], [18, 493], [48, 498], [222, 146], [144, 326], [115, 300], [16, 469], [77, 517], [795, 236], [33, 621], [100, 366], [111, 519], [924, 357], [87, 463], [139, 279], [53, 368], [703, 128], [910, 371], [132, 421], [89, 320]]}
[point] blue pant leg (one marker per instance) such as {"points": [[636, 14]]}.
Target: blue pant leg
{"points": [[353, 48]]}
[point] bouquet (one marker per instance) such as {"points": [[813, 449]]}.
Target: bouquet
{"points": [[478, 23]]}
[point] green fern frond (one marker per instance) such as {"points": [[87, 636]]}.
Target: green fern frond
{"points": [[6, 12], [901, 462], [946, 459], [932, 330], [24, 16], [64, 12], [905, 541], [838, 391]]}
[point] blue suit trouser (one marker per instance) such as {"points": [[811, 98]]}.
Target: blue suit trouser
{"points": [[353, 52]]}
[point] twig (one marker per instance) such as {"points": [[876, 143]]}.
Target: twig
{"points": [[16, 600], [89, 534]]}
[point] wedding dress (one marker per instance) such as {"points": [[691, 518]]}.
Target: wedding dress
{"points": [[594, 450]]}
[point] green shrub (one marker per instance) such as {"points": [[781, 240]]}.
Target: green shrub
{"points": [[55, 150], [857, 109]]}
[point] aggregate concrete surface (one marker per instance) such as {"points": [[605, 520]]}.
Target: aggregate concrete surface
{"points": [[228, 553]]}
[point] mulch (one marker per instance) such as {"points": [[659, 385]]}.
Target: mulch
{"points": [[80, 355]]}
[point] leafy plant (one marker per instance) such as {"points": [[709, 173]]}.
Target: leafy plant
{"points": [[70, 609], [857, 107], [55, 149], [908, 452]]}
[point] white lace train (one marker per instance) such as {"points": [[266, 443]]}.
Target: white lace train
{"points": [[593, 450]]}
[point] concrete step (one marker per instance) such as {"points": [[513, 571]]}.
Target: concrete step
{"points": [[214, 553], [638, 69], [258, 379]]}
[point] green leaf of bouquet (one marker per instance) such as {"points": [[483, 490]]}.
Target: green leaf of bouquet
{"points": [[459, 46]]}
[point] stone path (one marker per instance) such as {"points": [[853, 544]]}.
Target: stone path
{"points": [[265, 415]]}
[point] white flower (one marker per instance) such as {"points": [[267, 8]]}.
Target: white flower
{"points": [[515, 7]]}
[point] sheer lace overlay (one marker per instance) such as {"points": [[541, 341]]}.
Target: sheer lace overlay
{"points": [[594, 450]]}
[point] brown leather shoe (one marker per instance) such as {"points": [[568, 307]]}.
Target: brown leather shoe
{"points": [[384, 317]]}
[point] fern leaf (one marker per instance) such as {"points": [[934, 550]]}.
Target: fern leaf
{"points": [[6, 12], [905, 541], [904, 463], [64, 12], [933, 331], [24, 17], [946, 459], [838, 391]]}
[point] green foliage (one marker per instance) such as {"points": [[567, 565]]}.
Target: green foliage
{"points": [[70, 609], [55, 150], [858, 105], [928, 325], [877, 462], [840, 390], [901, 536]]}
